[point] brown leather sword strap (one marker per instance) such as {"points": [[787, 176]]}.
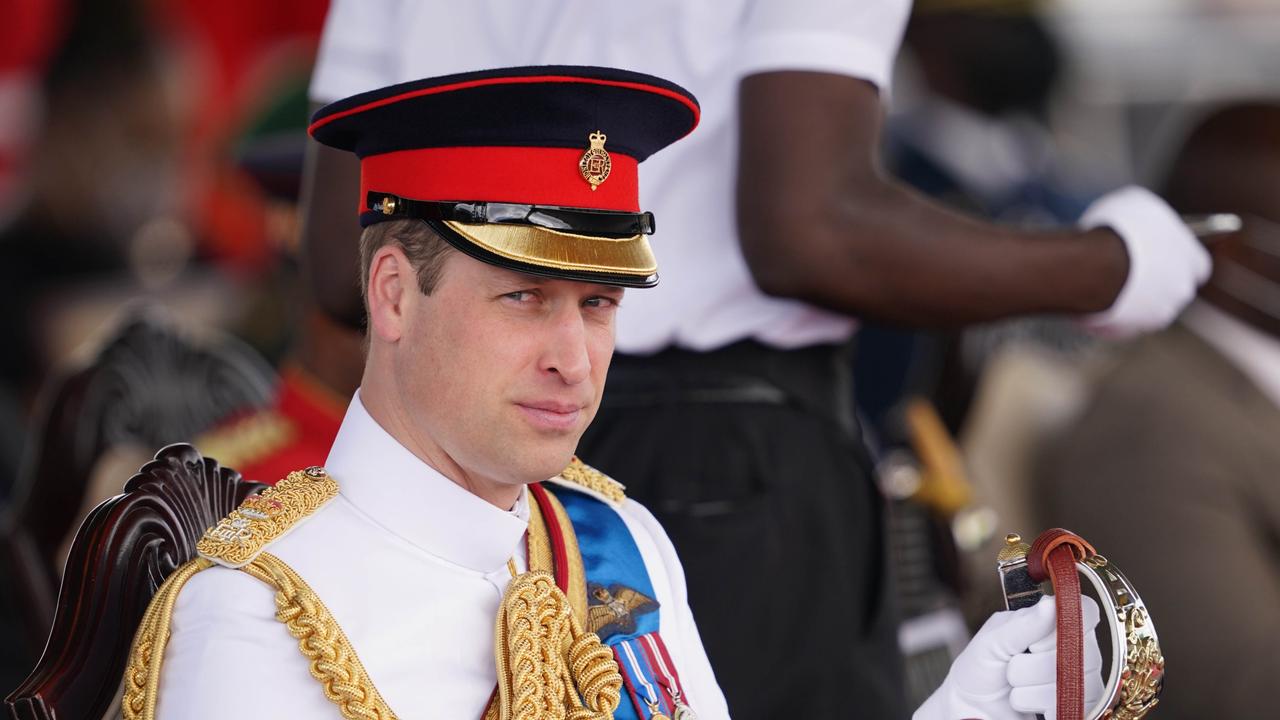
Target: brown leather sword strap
{"points": [[1053, 556]]}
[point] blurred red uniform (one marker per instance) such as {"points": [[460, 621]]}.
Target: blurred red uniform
{"points": [[296, 432]]}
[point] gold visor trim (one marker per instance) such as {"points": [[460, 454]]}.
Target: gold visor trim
{"points": [[562, 251]]}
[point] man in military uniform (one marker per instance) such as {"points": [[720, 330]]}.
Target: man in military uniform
{"points": [[430, 570], [779, 235]]}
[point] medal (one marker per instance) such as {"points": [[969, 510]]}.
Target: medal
{"points": [[668, 679]]}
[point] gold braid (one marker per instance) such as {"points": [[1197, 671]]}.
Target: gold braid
{"points": [[333, 660], [595, 672], [547, 664], [142, 674]]}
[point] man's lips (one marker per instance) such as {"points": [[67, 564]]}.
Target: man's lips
{"points": [[551, 414]]}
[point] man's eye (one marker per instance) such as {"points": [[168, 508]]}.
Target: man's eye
{"points": [[519, 296], [600, 302]]}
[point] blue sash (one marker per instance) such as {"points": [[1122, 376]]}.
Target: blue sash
{"points": [[622, 607]]}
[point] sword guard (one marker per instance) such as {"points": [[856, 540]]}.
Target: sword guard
{"points": [[1135, 674]]}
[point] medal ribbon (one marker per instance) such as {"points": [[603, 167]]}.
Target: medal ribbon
{"points": [[636, 670], [611, 557], [667, 677]]}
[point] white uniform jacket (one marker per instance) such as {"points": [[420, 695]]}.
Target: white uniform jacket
{"points": [[412, 568]]}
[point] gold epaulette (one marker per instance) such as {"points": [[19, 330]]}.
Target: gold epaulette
{"points": [[584, 476], [264, 518]]}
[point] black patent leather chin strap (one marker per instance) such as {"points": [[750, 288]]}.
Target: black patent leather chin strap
{"points": [[605, 223]]}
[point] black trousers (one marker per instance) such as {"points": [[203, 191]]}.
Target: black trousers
{"points": [[750, 459]]}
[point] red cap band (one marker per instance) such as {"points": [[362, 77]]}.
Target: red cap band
{"points": [[532, 175]]}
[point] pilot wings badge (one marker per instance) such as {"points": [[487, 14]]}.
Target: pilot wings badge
{"points": [[613, 610]]}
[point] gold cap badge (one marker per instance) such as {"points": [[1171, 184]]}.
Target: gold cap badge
{"points": [[595, 163]]}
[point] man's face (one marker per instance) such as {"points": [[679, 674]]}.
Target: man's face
{"points": [[503, 371]]}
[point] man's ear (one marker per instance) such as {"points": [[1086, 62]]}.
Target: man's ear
{"points": [[390, 278]]}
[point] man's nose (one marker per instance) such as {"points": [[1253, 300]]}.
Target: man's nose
{"points": [[566, 354]]}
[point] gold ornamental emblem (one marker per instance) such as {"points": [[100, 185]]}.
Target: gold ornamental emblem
{"points": [[240, 537], [595, 163]]}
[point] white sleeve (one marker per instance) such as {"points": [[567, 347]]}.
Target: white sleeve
{"points": [[357, 49], [696, 676], [859, 38], [228, 656]]}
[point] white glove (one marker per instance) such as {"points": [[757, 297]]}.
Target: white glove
{"points": [[1166, 262], [994, 679]]}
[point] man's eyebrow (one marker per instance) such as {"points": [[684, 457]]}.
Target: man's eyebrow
{"points": [[528, 278], [524, 278], [515, 279]]}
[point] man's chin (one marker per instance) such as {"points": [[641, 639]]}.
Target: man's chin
{"points": [[536, 453], [538, 463]]}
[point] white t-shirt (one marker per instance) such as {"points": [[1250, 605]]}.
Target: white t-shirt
{"points": [[706, 298]]}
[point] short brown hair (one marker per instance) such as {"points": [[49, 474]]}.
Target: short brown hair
{"points": [[424, 248]]}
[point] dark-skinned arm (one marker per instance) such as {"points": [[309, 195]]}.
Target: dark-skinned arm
{"points": [[819, 222]]}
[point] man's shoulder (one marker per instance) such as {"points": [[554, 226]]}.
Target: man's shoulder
{"points": [[263, 519], [220, 592], [586, 480], [582, 478], [226, 619], [260, 523]]}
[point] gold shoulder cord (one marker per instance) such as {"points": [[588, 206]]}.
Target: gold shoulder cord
{"points": [[238, 541], [332, 659], [142, 674], [548, 666], [542, 558]]}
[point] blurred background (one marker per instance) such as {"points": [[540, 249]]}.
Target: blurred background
{"points": [[150, 160]]}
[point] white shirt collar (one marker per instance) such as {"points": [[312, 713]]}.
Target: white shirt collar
{"points": [[1253, 352], [411, 499]]}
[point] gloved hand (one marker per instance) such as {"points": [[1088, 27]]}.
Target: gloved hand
{"points": [[1166, 262], [993, 679]]}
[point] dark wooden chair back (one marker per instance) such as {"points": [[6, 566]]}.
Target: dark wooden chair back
{"points": [[124, 550], [150, 385]]}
